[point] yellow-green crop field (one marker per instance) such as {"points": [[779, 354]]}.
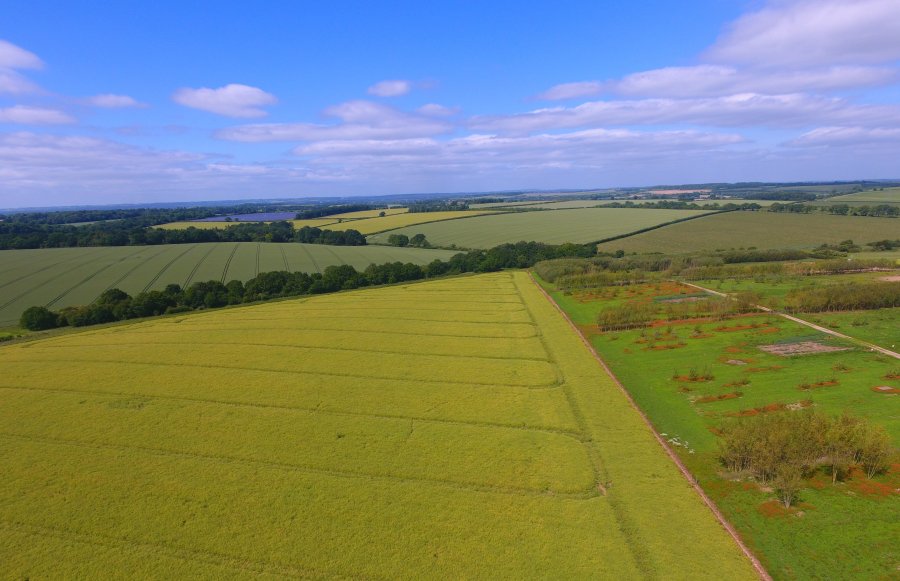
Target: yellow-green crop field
{"points": [[312, 223], [446, 429], [399, 220], [366, 214]]}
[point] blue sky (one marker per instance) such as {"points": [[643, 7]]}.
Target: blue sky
{"points": [[136, 102]]}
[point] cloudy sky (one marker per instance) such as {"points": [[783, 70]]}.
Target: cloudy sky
{"points": [[160, 101]]}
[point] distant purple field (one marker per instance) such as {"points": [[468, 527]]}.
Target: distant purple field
{"points": [[261, 217]]}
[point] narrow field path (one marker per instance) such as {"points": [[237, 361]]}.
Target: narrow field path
{"points": [[754, 561], [820, 328]]}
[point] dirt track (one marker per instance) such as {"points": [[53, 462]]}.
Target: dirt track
{"points": [[820, 328]]}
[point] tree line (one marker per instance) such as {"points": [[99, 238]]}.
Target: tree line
{"points": [[878, 211], [438, 206], [843, 297], [23, 235], [116, 305], [783, 449]]}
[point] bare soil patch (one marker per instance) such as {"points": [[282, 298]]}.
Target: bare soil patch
{"points": [[712, 398], [885, 389], [892, 278], [800, 348]]}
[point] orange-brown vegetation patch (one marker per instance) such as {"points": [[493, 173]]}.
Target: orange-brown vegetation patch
{"points": [[868, 487], [892, 376], [818, 384], [701, 336], [774, 509], [886, 389], [734, 349], [685, 389], [764, 368], [715, 431], [738, 383], [726, 329], [820, 481], [772, 407], [767, 330], [712, 398], [689, 379], [665, 347]]}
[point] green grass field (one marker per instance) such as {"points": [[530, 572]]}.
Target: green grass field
{"points": [[401, 219], [759, 229], [866, 198], [452, 429], [842, 532], [553, 227], [60, 277]]}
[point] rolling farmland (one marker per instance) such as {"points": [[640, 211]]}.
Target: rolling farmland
{"points": [[759, 229], [553, 227], [868, 197], [452, 428], [399, 220], [59, 277]]}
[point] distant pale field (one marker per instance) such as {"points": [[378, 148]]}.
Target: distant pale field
{"points": [[867, 198], [399, 220], [759, 229], [552, 227], [313, 223], [447, 429], [366, 214], [60, 277]]}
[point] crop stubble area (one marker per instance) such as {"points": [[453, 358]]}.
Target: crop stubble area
{"points": [[580, 226], [61, 277], [450, 428]]}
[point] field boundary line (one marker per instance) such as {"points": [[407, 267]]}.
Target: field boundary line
{"points": [[820, 328], [310, 410], [311, 348], [663, 225], [553, 385], [186, 329], [754, 561], [335, 473], [182, 553]]}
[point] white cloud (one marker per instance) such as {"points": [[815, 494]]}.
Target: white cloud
{"points": [[14, 57], [25, 115], [708, 80], [848, 137], [13, 83], [232, 100], [358, 120], [813, 32], [435, 110], [567, 91], [390, 88], [110, 101]]}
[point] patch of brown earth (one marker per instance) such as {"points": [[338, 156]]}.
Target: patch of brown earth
{"points": [[799, 348], [724, 396], [886, 389]]}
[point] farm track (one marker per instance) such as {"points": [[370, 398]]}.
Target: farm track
{"points": [[166, 267], [312, 259], [57, 276], [284, 257], [553, 385], [180, 553], [90, 277], [755, 562], [311, 410], [228, 262], [315, 348], [820, 328], [590, 492], [131, 270], [197, 266]]}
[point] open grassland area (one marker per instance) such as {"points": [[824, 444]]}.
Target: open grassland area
{"points": [[60, 277], [446, 429], [552, 227], [772, 289], [880, 326], [867, 198], [694, 377], [399, 220], [757, 229]]}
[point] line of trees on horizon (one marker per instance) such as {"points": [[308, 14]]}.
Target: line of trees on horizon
{"points": [[116, 305]]}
